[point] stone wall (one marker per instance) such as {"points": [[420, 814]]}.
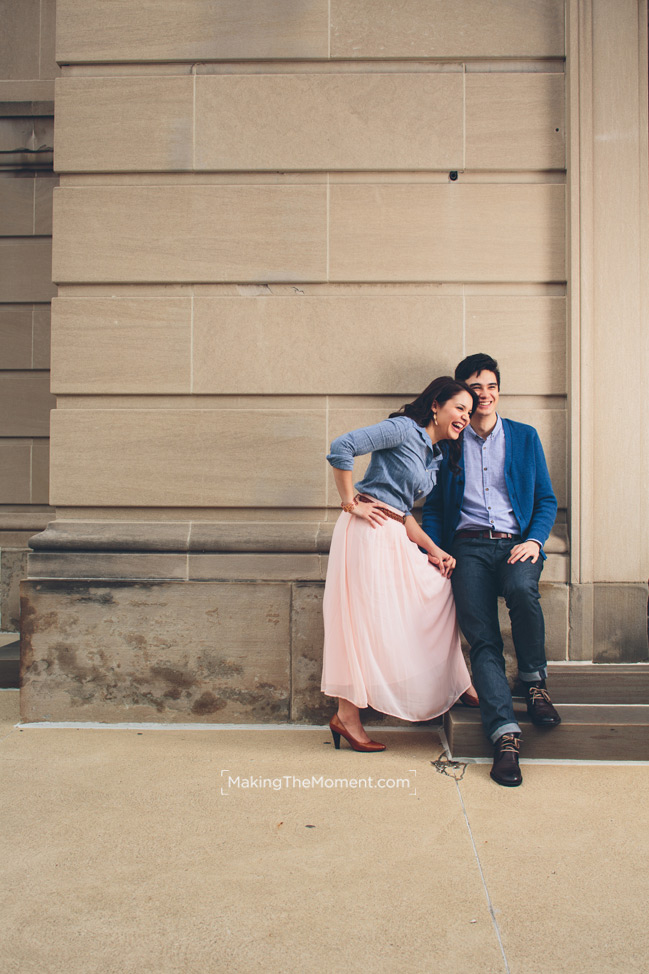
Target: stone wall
{"points": [[277, 222], [27, 72]]}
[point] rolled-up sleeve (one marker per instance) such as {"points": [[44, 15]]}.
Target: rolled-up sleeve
{"points": [[381, 436]]}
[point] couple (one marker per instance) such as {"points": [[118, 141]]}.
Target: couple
{"points": [[393, 588]]}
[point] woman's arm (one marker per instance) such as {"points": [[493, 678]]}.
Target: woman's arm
{"points": [[444, 562], [381, 436], [369, 512]]}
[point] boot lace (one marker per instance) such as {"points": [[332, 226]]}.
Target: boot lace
{"points": [[509, 743], [538, 693]]}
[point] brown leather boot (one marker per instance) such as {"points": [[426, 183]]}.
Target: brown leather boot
{"points": [[539, 705], [505, 769]]}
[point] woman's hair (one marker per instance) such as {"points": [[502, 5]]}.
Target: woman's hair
{"points": [[421, 410]]}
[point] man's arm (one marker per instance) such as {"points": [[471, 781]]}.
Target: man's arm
{"points": [[544, 511]]}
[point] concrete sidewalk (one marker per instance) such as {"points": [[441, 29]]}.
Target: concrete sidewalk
{"points": [[153, 850]]}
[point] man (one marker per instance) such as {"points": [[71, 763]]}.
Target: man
{"points": [[494, 518]]}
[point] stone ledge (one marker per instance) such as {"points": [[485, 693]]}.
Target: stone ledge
{"points": [[206, 536], [36, 520], [25, 109]]}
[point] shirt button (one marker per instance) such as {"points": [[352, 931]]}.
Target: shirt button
{"points": [[484, 468]]}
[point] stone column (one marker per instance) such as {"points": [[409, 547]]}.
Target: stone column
{"points": [[610, 352]]}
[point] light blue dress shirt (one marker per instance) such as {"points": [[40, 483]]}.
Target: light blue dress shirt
{"points": [[404, 461], [486, 502]]}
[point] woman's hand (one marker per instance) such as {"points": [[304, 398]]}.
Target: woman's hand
{"points": [[442, 561], [370, 511]]}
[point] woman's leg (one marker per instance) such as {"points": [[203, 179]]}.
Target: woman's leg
{"points": [[349, 715]]}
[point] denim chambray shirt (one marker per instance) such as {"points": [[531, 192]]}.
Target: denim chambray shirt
{"points": [[404, 461]]}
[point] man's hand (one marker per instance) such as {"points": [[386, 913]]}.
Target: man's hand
{"points": [[523, 551]]}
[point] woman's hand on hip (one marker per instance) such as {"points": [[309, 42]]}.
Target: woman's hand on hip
{"points": [[370, 511]]}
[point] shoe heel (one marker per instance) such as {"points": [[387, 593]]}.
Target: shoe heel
{"points": [[336, 737]]}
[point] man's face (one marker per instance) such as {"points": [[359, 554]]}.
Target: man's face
{"points": [[485, 386]]}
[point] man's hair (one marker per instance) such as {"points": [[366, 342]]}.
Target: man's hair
{"points": [[477, 363]]}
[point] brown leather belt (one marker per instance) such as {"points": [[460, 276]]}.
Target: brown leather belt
{"points": [[395, 517], [488, 533]]}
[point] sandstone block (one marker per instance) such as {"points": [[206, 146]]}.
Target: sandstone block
{"points": [[171, 30], [111, 564], [25, 403], [15, 471], [528, 337], [124, 124], [515, 121], [16, 206], [43, 191], [329, 121], [26, 269], [188, 458], [121, 345], [19, 39], [156, 651], [447, 232], [620, 623], [16, 337], [293, 345], [13, 568], [241, 567], [309, 704], [191, 233], [40, 471], [41, 331], [48, 68], [433, 28]]}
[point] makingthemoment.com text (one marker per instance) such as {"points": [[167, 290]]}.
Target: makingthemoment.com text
{"points": [[228, 780]]}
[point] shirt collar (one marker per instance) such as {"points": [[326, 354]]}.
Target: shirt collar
{"points": [[435, 447], [495, 433]]}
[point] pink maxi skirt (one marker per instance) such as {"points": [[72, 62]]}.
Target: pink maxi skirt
{"points": [[391, 636]]}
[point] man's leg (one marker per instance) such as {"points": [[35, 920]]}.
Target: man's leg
{"points": [[519, 583], [475, 587]]}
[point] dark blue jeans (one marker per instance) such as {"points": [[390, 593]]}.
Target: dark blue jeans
{"points": [[481, 575]]}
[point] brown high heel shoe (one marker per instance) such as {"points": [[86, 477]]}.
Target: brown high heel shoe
{"points": [[339, 730]]}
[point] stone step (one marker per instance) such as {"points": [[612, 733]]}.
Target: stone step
{"points": [[595, 732], [10, 664], [615, 683]]}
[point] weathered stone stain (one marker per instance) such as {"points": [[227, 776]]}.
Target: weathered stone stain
{"points": [[207, 703], [178, 678], [149, 651], [216, 668], [99, 598]]}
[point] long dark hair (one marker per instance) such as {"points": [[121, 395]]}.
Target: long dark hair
{"points": [[421, 410]]}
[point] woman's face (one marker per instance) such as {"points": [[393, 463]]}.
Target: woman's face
{"points": [[453, 415]]}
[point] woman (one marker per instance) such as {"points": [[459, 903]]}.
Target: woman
{"points": [[391, 637]]}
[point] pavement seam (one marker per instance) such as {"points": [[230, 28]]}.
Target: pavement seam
{"points": [[482, 877], [5, 736]]}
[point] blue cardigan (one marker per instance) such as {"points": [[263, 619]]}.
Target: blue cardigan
{"points": [[528, 483]]}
